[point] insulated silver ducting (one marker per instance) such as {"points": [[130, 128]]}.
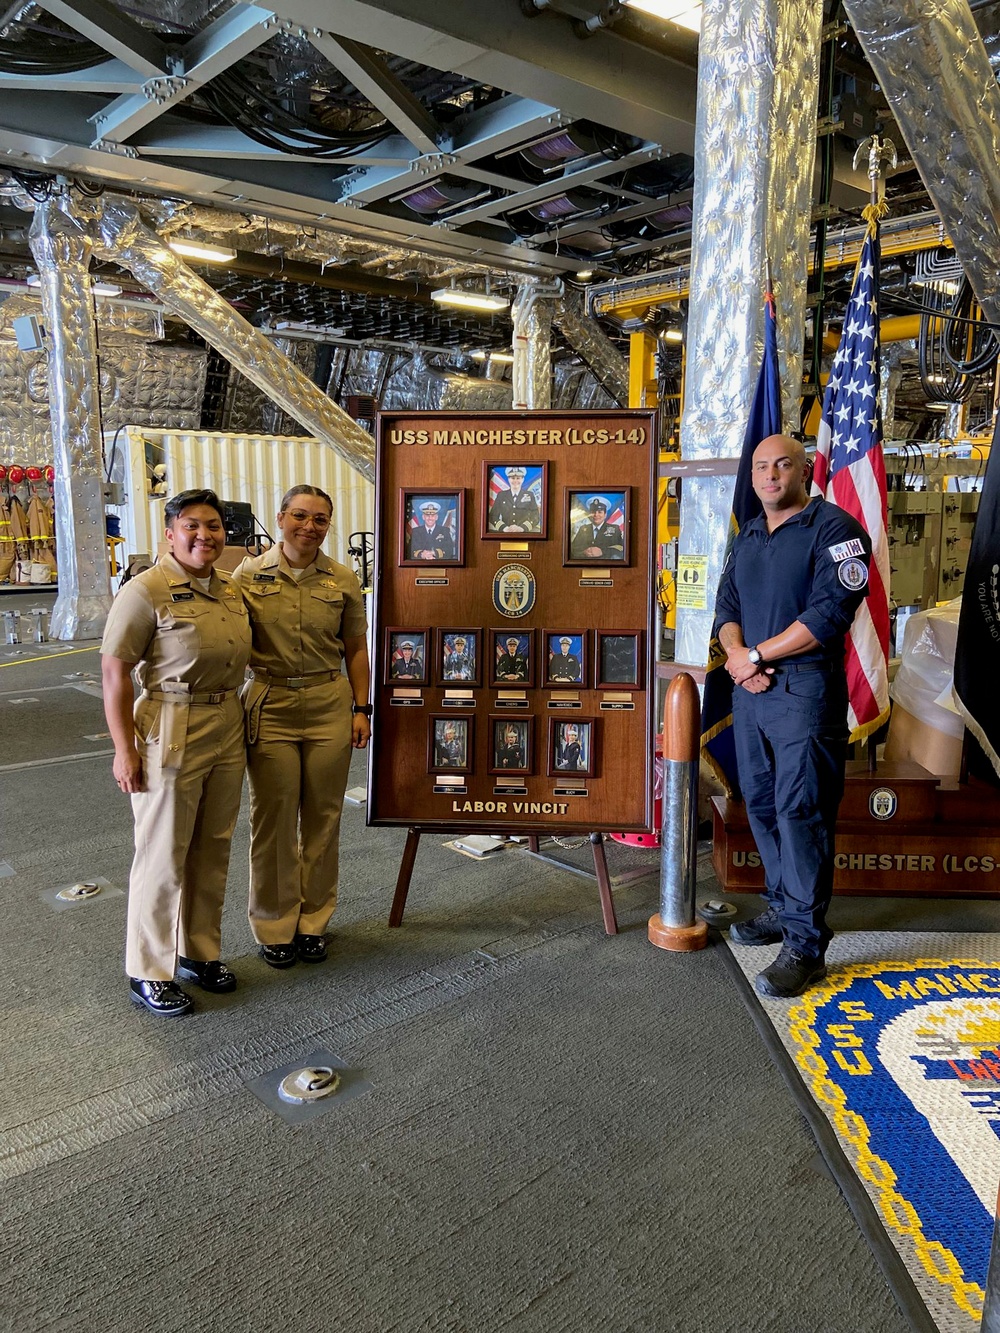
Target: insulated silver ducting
{"points": [[532, 372], [596, 348], [755, 146], [933, 68], [62, 252], [123, 238]]}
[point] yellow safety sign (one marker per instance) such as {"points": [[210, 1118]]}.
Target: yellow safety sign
{"points": [[692, 582]]}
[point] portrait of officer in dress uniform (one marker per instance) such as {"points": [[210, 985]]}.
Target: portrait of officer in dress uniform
{"points": [[431, 528], [564, 652], [572, 747], [511, 654], [516, 494], [597, 522], [510, 744], [406, 656], [459, 657], [450, 743]]}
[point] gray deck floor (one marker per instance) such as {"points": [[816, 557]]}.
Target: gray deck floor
{"points": [[564, 1130]]}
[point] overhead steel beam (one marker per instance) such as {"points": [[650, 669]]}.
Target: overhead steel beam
{"points": [[112, 29], [238, 32], [114, 76], [375, 81], [608, 78]]}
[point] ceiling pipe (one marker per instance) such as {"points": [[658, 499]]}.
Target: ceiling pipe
{"points": [[122, 236]]}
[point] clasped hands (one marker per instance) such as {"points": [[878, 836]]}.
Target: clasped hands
{"points": [[754, 679]]}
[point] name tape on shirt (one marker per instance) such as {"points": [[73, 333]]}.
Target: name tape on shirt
{"points": [[853, 574], [182, 596], [844, 550], [263, 578]]}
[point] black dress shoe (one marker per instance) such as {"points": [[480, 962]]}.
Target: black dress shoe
{"points": [[278, 955], [213, 976], [159, 997], [791, 973], [311, 948]]}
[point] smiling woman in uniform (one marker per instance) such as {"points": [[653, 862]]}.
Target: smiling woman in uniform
{"points": [[303, 717], [178, 751]]}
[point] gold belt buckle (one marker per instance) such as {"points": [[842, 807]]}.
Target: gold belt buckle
{"points": [[217, 697]]}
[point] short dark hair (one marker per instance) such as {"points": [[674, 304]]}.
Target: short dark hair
{"points": [[289, 496], [187, 499]]}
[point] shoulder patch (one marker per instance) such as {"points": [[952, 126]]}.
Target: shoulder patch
{"points": [[844, 550], [853, 574]]}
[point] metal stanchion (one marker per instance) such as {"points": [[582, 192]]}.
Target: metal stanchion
{"points": [[40, 630], [675, 926], [12, 626]]}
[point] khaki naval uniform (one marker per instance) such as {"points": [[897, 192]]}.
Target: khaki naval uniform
{"points": [[298, 709], [192, 649]]}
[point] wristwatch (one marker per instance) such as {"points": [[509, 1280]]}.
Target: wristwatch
{"points": [[364, 709], [753, 655]]}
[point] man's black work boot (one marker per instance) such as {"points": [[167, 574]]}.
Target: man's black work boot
{"points": [[762, 929], [791, 973]]}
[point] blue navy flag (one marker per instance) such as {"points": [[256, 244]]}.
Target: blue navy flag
{"points": [[765, 419], [850, 471], [977, 652]]}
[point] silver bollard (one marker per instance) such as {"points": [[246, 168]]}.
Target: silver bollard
{"points": [[676, 927], [40, 633], [12, 626]]}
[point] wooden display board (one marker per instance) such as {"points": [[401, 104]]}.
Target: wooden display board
{"points": [[513, 630]]}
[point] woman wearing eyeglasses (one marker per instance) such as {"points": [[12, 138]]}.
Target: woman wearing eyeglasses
{"points": [[303, 717]]}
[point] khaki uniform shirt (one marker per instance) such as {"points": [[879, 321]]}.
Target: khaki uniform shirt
{"points": [[299, 626], [176, 632]]}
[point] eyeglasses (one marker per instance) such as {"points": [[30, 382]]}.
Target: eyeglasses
{"points": [[300, 516]]}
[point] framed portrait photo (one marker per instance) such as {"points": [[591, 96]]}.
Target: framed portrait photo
{"points": [[459, 657], [431, 527], [595, 525], [619, 659], [564, 657], [449, 743], [571, 747], [512, 658], [406, 661], [515, 500], [511, 744]]}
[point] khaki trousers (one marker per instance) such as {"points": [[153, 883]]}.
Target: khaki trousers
{"points": [[298, 773], [184, 823]]}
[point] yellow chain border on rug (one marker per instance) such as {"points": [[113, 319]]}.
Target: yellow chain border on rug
{"points": [[897, 1212]]}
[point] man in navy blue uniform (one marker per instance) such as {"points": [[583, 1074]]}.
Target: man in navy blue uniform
{"points": [[794, 579]]}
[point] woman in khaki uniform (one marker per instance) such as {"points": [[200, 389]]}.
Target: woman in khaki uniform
{"points": [[178, 751], [303, 717]]}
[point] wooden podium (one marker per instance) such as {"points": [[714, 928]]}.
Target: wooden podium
{"points": [[900, 831]]}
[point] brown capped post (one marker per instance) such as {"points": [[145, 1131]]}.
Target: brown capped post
{"points": [[675, 926]]}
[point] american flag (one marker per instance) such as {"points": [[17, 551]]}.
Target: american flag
{"points": [[850, 472]]}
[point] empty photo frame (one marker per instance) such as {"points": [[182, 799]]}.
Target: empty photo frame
{"points": [[619, 663]]}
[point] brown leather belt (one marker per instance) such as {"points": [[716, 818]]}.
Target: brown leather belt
{"points": [[297, 682], [163, 697]]}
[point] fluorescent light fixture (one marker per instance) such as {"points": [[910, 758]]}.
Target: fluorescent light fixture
{"points": [[466, 300], [212, 254], [672, 336], [685, 13], [584, 273], [479, 354], [97, 287]]}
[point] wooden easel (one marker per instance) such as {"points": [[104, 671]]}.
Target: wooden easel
{"points": [[600, 870]]}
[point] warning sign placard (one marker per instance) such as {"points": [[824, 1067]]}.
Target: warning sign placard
{"points": [[692, 582]]}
